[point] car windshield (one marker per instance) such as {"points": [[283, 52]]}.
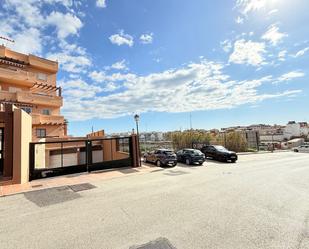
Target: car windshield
{"points": [[220, 148], [196, 152], [168, 152]]}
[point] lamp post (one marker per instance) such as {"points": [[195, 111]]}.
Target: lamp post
{"points": [[136, 118]]}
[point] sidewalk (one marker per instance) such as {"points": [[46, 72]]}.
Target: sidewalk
{"points": [[73, 179], [262, 152]]}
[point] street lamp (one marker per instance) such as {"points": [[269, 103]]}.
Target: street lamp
{"points": [[136, 118]]}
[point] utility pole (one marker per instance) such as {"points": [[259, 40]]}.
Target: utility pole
{"points": [[191, 130]]}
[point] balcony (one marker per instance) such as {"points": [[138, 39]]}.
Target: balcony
{"points": [[25, 78], [39, 99], [39, 119], [31, 98], [44, 64], [7, 96], [17, 76]]}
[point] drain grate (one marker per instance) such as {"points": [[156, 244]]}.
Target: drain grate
{"points": [[161, 243], [47, 197], [37, 186], [81, 187]]}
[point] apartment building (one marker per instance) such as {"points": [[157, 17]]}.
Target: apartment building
{"points": [[29, 82]]}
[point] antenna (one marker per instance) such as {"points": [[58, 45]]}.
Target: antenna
{"points": [[6, 40]]}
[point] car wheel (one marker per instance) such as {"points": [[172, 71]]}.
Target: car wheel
{"points": [[188, 161], [233, 161], [159, 163], [295, 150], [174, 164], [200, 163]]}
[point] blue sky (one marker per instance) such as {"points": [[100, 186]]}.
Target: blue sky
{"points": [[227, 62]]}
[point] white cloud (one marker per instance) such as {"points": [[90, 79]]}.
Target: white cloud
{"points": [[79, 89], [28, 42], [273, 11], [239, 20], [122, 39], [26, 21], [66, 24], [71, 63], [301, 52], [247, 6], [248, 52], [273, 35], [226, 45], [119, 65], [175, 90], [27, 10], [101, 3], [101, 76], [290, 76], [282, 55], [146, 38]]}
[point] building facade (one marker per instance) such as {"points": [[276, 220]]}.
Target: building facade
{"points": [[296, 129], [29, 82]]}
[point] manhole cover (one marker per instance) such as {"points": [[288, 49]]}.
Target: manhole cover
{"points": [[81, 187], [161, 243], [47, 197]]}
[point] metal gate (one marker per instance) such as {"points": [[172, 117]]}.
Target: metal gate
{"points": [[56, 158], [1, 150]]}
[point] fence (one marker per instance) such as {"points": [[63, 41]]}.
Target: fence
{"points": [[74, 156]]}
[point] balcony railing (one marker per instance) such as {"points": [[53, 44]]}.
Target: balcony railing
{"points": [[42, 63], [38, 119], [39, 99], [17, 76], [7, 96], [31, 98], [24, 77]]}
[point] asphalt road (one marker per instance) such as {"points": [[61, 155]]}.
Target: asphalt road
{"points": [[260, 202]]}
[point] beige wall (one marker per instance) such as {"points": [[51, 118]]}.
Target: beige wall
{"points": [[51, 131], [110, 151], [21, 140]]}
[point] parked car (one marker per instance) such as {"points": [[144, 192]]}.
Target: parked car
{"points": [[161, 157], [190, 156], [219, 153], [302, 148]]}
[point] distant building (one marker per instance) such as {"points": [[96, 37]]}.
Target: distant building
{"points": [[295, 142], [296, 129]]}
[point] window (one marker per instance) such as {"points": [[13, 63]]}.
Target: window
{"points": [[41, 133], [46, 112], [14, 89], [27, 109], [42, 76]]}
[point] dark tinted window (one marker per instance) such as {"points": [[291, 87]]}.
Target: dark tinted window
{"points": [[168, 152]]}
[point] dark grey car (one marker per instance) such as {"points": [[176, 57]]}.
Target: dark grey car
{"points": [[161, 157], [219, 153], [190, 156]]}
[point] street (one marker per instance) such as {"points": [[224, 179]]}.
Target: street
{"points": [[262, 201]]}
